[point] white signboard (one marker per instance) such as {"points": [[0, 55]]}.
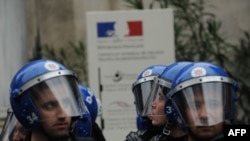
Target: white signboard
{"points": [[120, 44]]}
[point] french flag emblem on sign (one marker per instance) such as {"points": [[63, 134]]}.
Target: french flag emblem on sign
{"points": [[135, 28], [105, 29], [109, 29]]}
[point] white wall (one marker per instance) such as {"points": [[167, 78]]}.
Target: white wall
{"points": [[12, 46]]}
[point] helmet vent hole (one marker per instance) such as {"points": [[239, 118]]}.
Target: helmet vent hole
{"points": [[200, 80], [38, 79], [59, 72]]}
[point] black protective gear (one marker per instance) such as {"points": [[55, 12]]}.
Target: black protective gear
{"points": [[134, 136]]}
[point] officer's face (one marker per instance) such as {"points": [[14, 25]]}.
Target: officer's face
{"points": [[158, 116], [204, 112], [56, 121]]}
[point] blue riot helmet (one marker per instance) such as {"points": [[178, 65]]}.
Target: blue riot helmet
{"points": [[35, 82], [12, 129], [155, 107], [90, 101], [83, 125], [141, 89], [142, 86], [203, 88], [162, 84], [94, 106]]}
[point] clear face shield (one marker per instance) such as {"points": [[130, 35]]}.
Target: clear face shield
{"points": [[141, 90], [12, 129], [58, 96], [157, 95], [205, 104]]}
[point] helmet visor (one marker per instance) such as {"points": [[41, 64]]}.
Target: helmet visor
{"points": [[58, 96], [141, 91], [205, 104]]}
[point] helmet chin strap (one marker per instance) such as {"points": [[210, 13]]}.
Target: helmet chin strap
{"points": [[166, 131], [170, 126], [169, 130], [164, 134]]}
